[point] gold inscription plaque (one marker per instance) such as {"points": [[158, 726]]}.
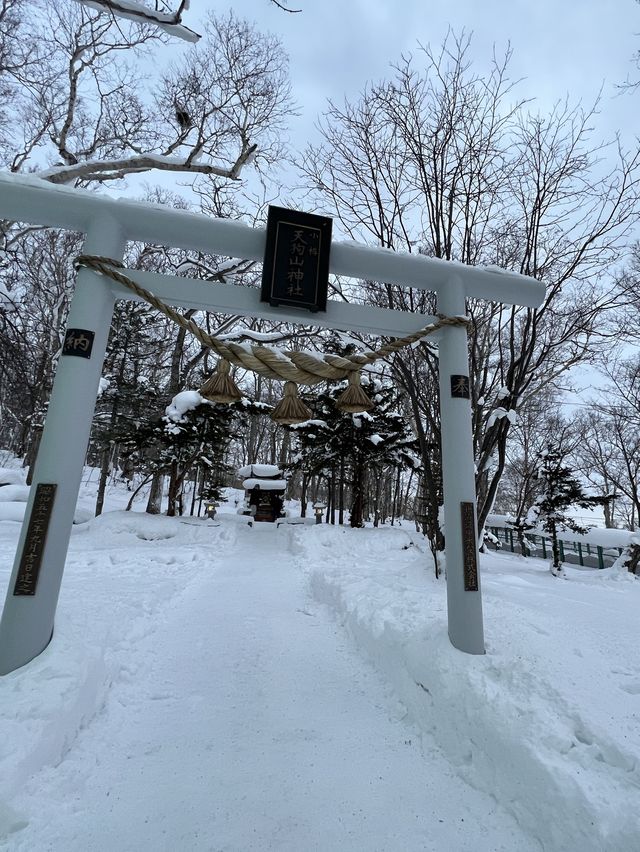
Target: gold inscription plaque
{"points": [[33, 550], [469, 545]]}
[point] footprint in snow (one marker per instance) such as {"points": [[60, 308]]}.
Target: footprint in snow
{"points": [[631, 688]]}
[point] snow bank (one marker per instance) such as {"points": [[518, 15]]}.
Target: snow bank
{"points": [[546, 723], [12, 476], [12, 512], [124, 570], [13, 505], [523, 722], [14, 493], [139, 524]]}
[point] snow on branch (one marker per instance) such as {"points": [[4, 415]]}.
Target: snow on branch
{"points": [[134, 10], [111, 169]]}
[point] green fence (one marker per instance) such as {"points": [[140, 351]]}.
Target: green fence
{"points": [[542, 543]]}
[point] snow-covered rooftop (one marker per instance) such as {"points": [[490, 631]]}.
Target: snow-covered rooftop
{"points": [[265, 484], [260, 470]]}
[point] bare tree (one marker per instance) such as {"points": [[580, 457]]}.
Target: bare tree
{"points": [[82, 114], [86, 114], [448, 162], [609, 454], [31, 334], [537, 426], [225, 99]]}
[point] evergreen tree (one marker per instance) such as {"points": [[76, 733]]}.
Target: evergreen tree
{"points": [[191, 438], [561, 490], [356, 449]]}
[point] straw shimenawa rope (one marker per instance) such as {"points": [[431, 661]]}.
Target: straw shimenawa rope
{"points": [[289, 366]]}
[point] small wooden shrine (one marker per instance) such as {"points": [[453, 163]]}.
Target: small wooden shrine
{"points": [[264, 492]]}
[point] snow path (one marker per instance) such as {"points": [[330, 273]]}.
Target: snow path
{"points": [[245, 720], [547, 720]]}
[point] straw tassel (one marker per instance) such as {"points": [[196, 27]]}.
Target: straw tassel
{"points": [[354, 400], [291, 409], [220, 387]]}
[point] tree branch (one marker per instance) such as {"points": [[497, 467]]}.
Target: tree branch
{"points": [[284, 8], [137, 11], [102, 170]]}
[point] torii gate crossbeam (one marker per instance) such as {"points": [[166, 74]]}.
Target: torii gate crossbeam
{"points": [[27, 619]]}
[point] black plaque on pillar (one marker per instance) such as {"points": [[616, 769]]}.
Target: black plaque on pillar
{"points": [[469, 547], [35, 540], [296, 260], [78, 342], [460, 387]]}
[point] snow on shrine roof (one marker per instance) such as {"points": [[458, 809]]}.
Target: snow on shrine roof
{"points": [[260, 470], [265, 484]]}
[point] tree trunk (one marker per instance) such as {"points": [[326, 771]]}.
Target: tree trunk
{"points": [[357, 497], [436, 557], [106, 455], [252, 442], [174, 489], [607, 508], [284, 449], [196, 476], [555, 547], [303, 496], [632, 562], [522, 543], [404, 497], [395, 500], [104, 476], [32, 451], [376, 502], [154, 503], [332, 495]]}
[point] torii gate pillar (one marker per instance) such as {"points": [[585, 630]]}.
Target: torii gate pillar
{"points": [[27, 621], [464, 599]]}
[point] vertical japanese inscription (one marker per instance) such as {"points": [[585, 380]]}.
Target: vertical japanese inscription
{"points": [[33, 550], [296, 263], [469, 547]]}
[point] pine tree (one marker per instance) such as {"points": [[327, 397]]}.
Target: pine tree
{"points": [[561, 490], [191, 437], [369, 445]]}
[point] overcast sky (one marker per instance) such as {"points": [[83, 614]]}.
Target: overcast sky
{"points": [[560, 46]]}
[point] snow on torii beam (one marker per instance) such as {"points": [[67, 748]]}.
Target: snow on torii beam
{"points": [[30, 199], [27, 619]]}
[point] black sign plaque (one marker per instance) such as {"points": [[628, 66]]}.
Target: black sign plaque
{"points": [[296, 260], [469, 546], [33, 549], [460, 387], [79, 342]]}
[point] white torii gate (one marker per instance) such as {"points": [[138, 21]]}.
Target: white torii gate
{"points": [[26, 626]]}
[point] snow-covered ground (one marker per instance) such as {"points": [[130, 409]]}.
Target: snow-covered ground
{"points": [[212, 686]]}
